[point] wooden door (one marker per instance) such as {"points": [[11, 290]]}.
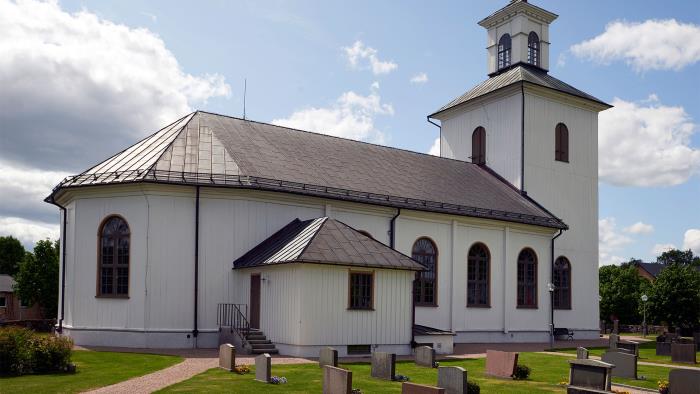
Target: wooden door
{"points": [[255, 301]]}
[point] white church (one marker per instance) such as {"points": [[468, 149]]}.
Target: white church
{"points": [[284, 240]]}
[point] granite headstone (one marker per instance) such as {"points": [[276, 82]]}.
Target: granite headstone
{"points": [[684, 381], [227, 356], [336, 380], [425, 356], [501, 364], [413, 388], [581, 353], [591, 374], [625, 364], [683, 353], [383, 365], [263, 368], [452, 379], [327, 356]]}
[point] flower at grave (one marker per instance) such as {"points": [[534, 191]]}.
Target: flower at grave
{"points": [[278, 380], [241, 369], [436, 364], [356, 391], [663, 386]]}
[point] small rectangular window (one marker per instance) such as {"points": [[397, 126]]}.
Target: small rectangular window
{"points": [[3, 302], [361, 290], [359, 349]]}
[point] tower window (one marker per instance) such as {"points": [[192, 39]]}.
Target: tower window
{"points": [[425, 285], [479, 146], [561, 143], [533, 49], [504, 45]]}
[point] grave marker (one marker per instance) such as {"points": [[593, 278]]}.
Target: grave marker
{"points": [[582, 353], [683, 381], [625, 364], [336, 380], [227, 356], [383, 365], [452, 379], [425, 356], [590, 374], [501, 364], [413, 388], [263, 368], [328, 356], [683, 353]]}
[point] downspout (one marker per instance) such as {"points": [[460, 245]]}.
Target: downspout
{"points": [[392, 228], [392, 244], [440, 128], [522, 140], [551, 293], [195, 331], [63, 264]]}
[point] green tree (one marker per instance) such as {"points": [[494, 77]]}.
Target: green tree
{"points": [[676, 256], [11, 255], [675, 296], [619, 288], [37, 279]]}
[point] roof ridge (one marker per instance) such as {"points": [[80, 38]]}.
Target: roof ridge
{"points": [[336, 137], [313, 237], [155, 162]]}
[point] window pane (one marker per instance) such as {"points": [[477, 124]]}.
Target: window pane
{"points": [[106, 280], [122, 281], [360, 291]]}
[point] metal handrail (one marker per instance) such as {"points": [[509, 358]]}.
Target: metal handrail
{"points": [[234, 316]]}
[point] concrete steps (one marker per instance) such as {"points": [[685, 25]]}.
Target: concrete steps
{"points": [[259, 343]]}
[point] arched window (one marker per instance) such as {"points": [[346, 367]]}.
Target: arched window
{"points": [[504, 51], [479, 146], [114, 258], [533, 49], [561, 143], [527, 279], [478, 276], [562, 283], [425, 285]]}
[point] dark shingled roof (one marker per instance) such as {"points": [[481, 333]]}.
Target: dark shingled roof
{"points": [[425, 330], [518, 73], [215, 150], [324, 241], [654, 269]]}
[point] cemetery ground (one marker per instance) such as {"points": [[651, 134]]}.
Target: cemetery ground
{"points": [[647, 353], [548, 371], [94, 369]]}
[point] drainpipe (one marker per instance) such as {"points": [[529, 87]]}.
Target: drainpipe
{"points": [[551, 293], [392, 229], [440, 128], [195, 331], [64, 211]]}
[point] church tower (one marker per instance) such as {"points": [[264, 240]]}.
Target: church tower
{"points": [[540, 134]]}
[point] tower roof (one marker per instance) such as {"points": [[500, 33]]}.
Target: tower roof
{"points": [[516, 7], [215, 150]]}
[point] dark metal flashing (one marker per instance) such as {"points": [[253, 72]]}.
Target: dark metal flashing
{"points": [[63, 263], [276, 185]]}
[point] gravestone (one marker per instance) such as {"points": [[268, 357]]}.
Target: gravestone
{"points": [[263, 368], [383, 365], [328, 356], [501, 364], [582, 353], [227, 356], [632, 346], [683, 353], [683, 381], [602, 327], [590, 374], [625, 364], [616, 326], [425, 356], [452, 379], [413, 388], [336, 380], [696, 338], [663, 346], [613, 339]]}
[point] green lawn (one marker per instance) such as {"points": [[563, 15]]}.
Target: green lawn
{"points": [[547, 372], [647, 352], [95, 369]]}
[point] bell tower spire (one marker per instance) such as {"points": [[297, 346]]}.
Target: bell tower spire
{"points": [[518, 34]]}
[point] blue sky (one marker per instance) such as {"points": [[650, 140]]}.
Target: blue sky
{"points": [[292, 54]]}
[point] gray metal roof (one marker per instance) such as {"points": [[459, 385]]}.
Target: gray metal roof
{"points": [[324, 241], [216, 150], [6, 283], [518, 73]]}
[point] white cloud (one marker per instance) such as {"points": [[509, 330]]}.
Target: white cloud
{"points": [[435, 148], [419, 78], [639, 228], [361, 56], [28, 231], [351, 116], [77, 88], [658, 249], [649, 45], [691, 240], [646, 144], [610, 242]]}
